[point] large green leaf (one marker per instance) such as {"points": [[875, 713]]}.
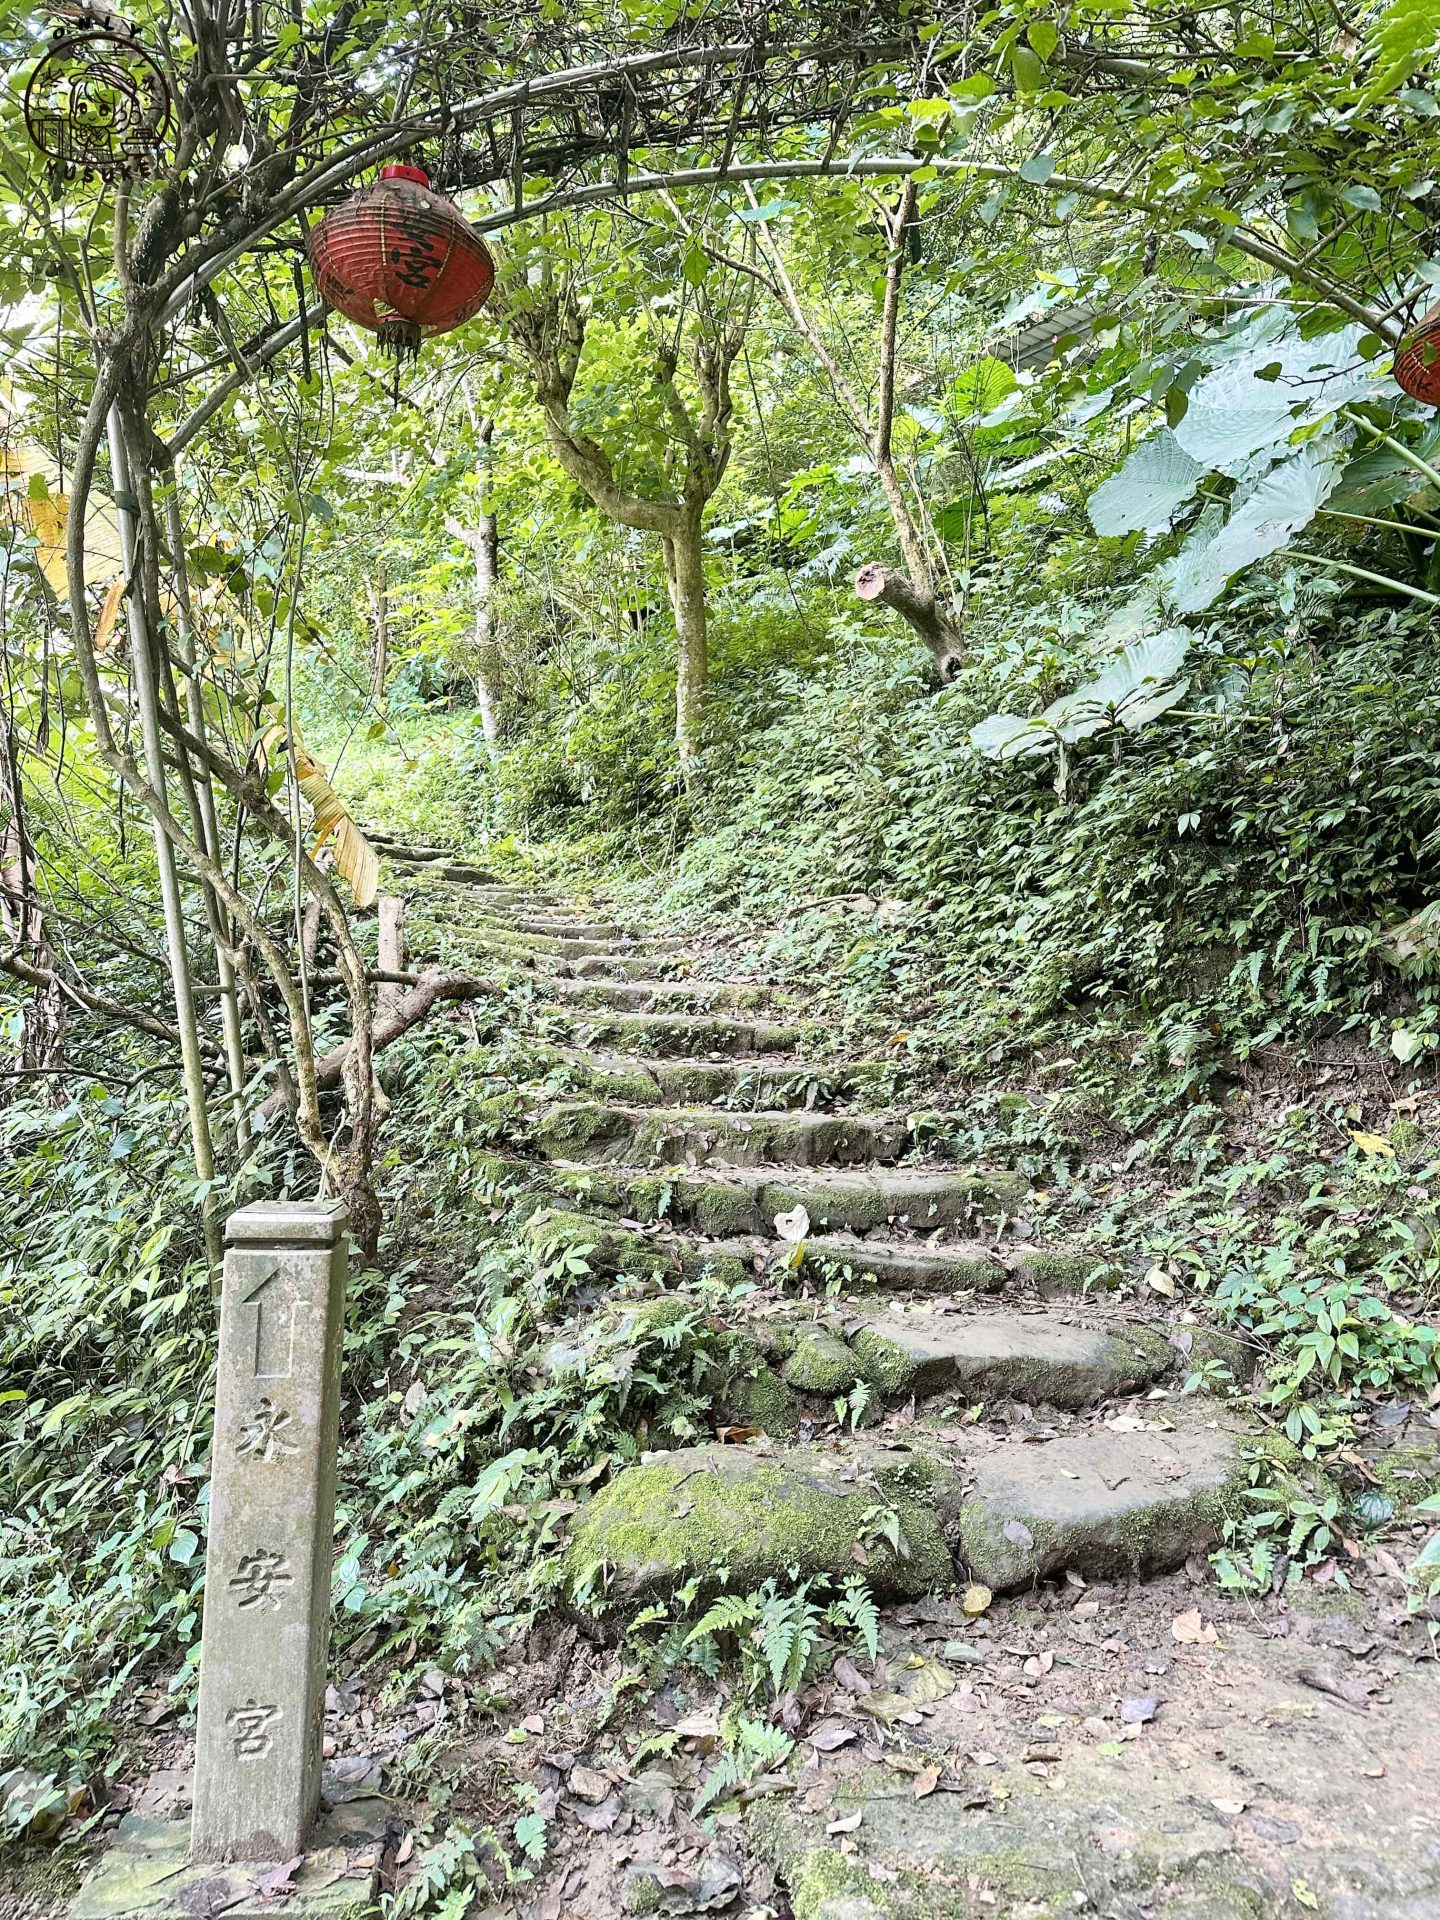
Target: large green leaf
{"points": [[1263, 520], [1138, 684], [981, 388], [1402, 37], [1374, 481], [1256, 398], [1142, 497]]}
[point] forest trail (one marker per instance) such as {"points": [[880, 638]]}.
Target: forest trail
{"points": [[1067, 1715]]}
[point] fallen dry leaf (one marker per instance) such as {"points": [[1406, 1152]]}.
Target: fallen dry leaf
{"points": [[976, 1599], [926, 1782], [848, 1823], [1192, 1631]]}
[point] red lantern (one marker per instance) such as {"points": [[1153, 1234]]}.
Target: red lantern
{"points": [[401, 260], [1417, 364]]}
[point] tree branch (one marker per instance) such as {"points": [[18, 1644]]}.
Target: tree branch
{"points": [[431, 987]]}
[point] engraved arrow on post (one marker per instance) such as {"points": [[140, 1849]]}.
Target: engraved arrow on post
{"points": [[274, 1348]]}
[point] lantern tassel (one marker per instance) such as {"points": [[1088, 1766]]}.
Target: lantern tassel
{"points": [[399, 337]]}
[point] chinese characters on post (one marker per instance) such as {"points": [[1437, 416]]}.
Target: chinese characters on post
{"points": [[272, 1515]]}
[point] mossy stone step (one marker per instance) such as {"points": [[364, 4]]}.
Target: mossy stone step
{"points": [[1040, 1358], [747, 1200], [1095, 1502], [658, 996], [687, 1033], [664, 1136], [530, 947], [524, 952], [743, 1086], [608, 1249], [564, 941], [621, 966], [912, 1266], [754, 1513], [566, 927], [1101, 1503]]}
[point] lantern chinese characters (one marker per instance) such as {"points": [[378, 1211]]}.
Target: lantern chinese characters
{"points": [[401, 260]]}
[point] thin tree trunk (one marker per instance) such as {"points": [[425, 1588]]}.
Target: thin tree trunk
{"points": [[487, 576], [483, 540], [685, 578], [390, 952], [148, 702], [200, 792], [42, 1043], [380, 633], [912, 595]]}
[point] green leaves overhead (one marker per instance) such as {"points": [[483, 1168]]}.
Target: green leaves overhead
{"points": [[1402, 37]]}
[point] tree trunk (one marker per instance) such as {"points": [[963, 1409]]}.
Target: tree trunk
{"points": [[390, 952], [919, 606], [147, 701], [42, 1041], [485, 544], [200, 795], [380, 633], [685, 578]]}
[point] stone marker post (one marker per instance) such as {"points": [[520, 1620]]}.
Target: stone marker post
{"points": [[272, 1522]]}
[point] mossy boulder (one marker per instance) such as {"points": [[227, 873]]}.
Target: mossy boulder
{"points": [[758, 1514], [1039, 1358], [820, 1361], [604, 1247], [576, 1128], [754, 1395]]}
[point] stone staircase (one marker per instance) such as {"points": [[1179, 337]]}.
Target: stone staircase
{"points": [[700, 1127], [907, 1387]]}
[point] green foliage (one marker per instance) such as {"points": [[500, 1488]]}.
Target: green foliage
{"points": [[106, 1352]]}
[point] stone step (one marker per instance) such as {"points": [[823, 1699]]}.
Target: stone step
{"points": [[536, 946], [659, 996], [605, 965], [765, 1085], [639, 1136], [758, 1513], [687, 1033], [1095, 1502], [745, 1201], [1098, 1502], [1043, 1358], [621, 966], [460, 872], [911, 1266], [895, 1265], [558, 926]]}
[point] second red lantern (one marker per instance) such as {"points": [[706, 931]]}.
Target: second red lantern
{"points": [[1417, 363], [401, 260]]}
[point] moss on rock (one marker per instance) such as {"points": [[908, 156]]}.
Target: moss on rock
{"points": [[606, 1248], [1064, 1273], [821, 1362], [758, 1514]]}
